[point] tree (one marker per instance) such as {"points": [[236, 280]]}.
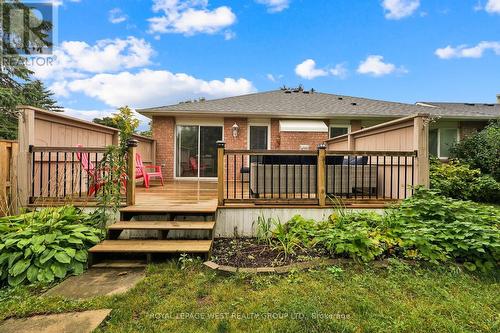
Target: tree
{"points": [[31, 93], [35, 94], [106, 121], [14, 74]]}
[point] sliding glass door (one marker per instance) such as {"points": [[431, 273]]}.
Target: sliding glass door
{"points": [[197, 151]]}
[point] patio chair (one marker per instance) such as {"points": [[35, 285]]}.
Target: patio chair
{"points": [[142, 172], [193, 166], [96, 180]]}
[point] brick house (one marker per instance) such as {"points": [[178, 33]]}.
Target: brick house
{"points": [[289, 119]]}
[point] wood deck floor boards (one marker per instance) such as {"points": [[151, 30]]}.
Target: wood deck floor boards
{"points": [[152, 246], [162, 225]]}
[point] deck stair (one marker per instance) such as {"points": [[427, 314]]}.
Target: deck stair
{"points": [[186, 219]]}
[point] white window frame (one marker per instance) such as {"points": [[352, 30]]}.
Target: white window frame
{"points": [[259, 123], [439, 140], [348, 126]]}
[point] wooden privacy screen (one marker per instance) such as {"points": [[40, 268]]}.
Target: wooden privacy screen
{"points": [[8, 177], [42, 133]]}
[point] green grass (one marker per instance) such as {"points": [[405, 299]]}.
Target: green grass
{"points": [[351, 299]]}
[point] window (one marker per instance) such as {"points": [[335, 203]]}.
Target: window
{"points": [[338, 130], [258, 137], [441, 140]]}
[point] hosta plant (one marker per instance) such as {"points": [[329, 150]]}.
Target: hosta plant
{"points": [[45, 245]]}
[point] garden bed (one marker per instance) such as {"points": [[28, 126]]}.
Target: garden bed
{"points": [[249, 252]]}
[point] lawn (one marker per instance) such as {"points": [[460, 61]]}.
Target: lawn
{"points": [[192, 298]]}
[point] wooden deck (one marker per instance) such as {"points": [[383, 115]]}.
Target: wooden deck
{"points": [[176, 196], [201, 196]]}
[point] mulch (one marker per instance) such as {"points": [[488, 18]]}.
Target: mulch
{"points": [[249, 252]]}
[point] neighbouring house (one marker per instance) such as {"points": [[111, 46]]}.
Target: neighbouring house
{"points": [[290, 119], [456, 121]]}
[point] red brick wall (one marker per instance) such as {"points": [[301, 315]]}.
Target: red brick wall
{"points": [[469, 127], [275, 134], [293, 140], [164, 134], [239, 142]]}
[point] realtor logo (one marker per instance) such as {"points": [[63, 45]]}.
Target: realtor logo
{"points": [[27, 27]]}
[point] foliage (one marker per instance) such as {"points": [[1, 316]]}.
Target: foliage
{"points": [[481, 150], [114, 164], [34, 93], [45, 245], [427, 226], [15, 87], [31, 93], [356, 235], [458, 180], [439, 229], [105, 121]]}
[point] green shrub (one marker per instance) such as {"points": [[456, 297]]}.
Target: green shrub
{"points": [[481, 150], [458, 180], [427, 226], [45, 245], [438, 229], [355, 235]]}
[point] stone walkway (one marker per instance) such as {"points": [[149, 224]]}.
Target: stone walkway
{"points": [[98, 282], [72, 322]]}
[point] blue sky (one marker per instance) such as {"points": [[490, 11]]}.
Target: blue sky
{"points": [[147, 53]]}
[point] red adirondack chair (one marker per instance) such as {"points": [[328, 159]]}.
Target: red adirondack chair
{"points": [[142, 172], [96, 180]]}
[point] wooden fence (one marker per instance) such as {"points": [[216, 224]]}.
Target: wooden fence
{"points": [[51, 169], [8, 177]]}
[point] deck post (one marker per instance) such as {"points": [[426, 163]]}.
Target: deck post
{"points": [[132, 147], [421, 146], [321, 175], [220, 172], [26, 138]]}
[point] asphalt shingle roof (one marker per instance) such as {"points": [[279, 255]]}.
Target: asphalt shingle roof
{"points": [[470, 109], [282, 103]]}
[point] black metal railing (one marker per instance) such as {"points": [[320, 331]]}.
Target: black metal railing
{"points": [[370, 175], [265, 175], [66, 173]]}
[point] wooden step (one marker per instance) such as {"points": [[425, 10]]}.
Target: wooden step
{"points": [[208, 207], [152, 246], [162, 225]]}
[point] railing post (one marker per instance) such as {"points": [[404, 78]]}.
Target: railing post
{"points": [[421, 145], [220, 172], [321, 175], [132, 147]]}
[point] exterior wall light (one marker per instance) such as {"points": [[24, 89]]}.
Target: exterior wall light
{"points": [[236, 130]]}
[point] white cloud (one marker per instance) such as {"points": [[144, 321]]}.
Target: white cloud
{"points": [[274, 78], [374, 65], [149, 88], [116, 16], [228, 35], [398, 9], [493, 6], [307, 70], [189, 17], [275, 6], [89, 115], [464, 51], [340, 70], [75, 58]]}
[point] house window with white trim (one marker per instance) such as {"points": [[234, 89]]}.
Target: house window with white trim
{"points": [[441, 140], [338, 130]]}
